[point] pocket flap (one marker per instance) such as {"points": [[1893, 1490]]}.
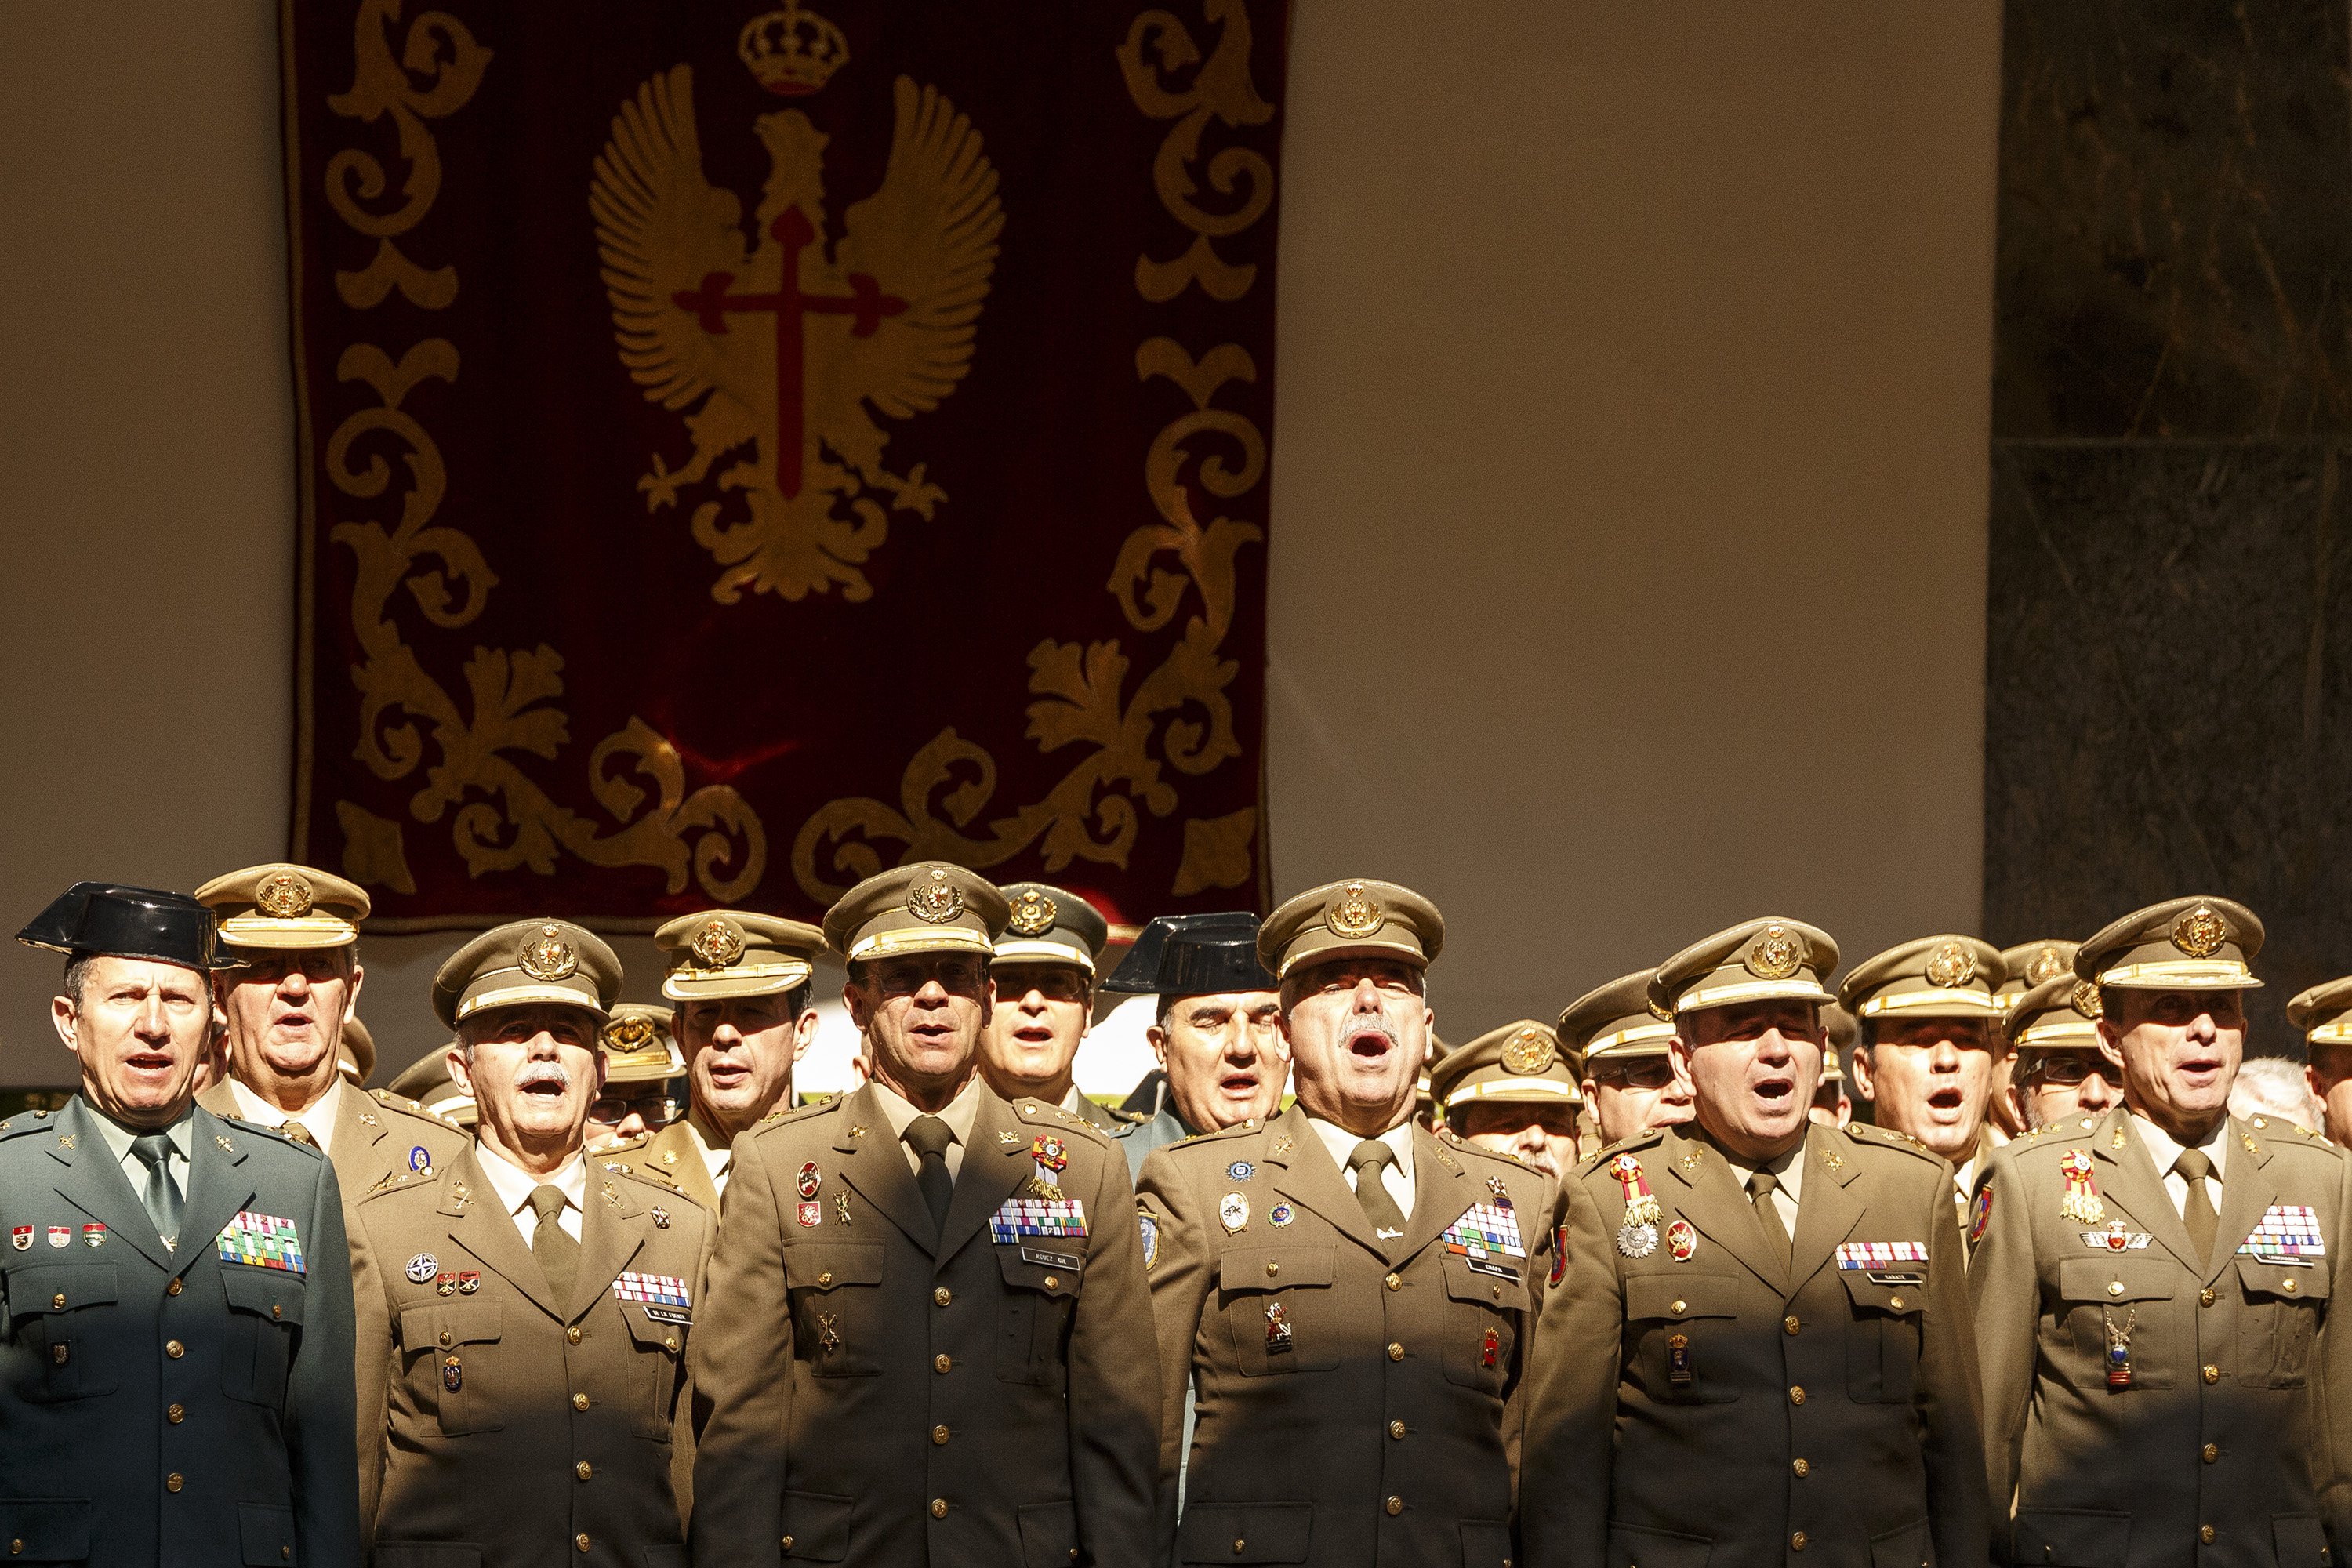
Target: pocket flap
{"points": [[429, 1324], [1273, 1268], [829, 1265], [1909, 1547], [1678, 1295], [1056, 1270], [267, 1534], [1502, 1286], [2071, 1538], [1632, 1546], [1875, 1296], [2116, 1277], [816, 1527], [54, 1529], [271, 1293], [1245, 1532], [2289, 1281], [2299, 1541], [651, 1332], [39, 1286]]}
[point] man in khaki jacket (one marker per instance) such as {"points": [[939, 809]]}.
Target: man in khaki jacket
{"points": [[1353, 1296], [927, 1340], [1930, 1046], [2163, 1381], [1762, 1349], [288, 1009], [1044, 969], [1630, 1087], [524, 1313]]}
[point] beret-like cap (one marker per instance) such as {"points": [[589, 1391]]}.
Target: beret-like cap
{"points": [[285, 907], [109, 920], [526, 962], [928, 907], [1615, 1020], [1048, 925], [2060, 1013], [2029, 964], [1342, 919], [1520, 1062], [637, 1045], [2200, 944], [733, 953], [1192, 956], [2323, 1013], [1755, 960], [1931, 977]]}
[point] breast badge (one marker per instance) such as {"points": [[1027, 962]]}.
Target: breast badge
{"points": [[59, 1235], [453, 1373], [810, 1179], [1490, 1348], [1681, 1240], [1280, 1215], [1240, 1171], [1018, 1217], [810, 1213], [21, 1238], [2081, 1203], [422, 1268], [1233, 1213], [2115, 1238], [1277, 1329], [2118, 1337], [1148, 1229], [841, 1207], [419, 1160], [1638, 1237]]}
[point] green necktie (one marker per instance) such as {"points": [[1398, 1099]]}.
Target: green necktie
{"points": [[162, 1197], [1760, 1188], [558, 1254], [1370, 1158], [2198, 1211]]}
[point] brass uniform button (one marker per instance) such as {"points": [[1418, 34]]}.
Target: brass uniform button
{"points": [[58, 1302], [1497, 1290], [942, 1296], [1788, 1325], [1395, 1505], [571, 1334], [579, 1402], [582, 1470], [581, 1540], [940, 1436], [276, 1311], [1797, 1541], [2205, 1298], [1272, 1269], [1679, 1308], [939, 1507], [941, 1362], [1396, 1428], [446, 1339], [669, 1342], [1396, 1350], [1795, 1396], [2205, 1534], [788, 1543], [175, 1414], [174, 1349], [1393, 1282], [1895, 1302], [1238, 1544], [17, 1547], [2287, 1284], [1054, 1281], [2211, 1452], [825, 1277], [2213, 1372], [173, 1288], [173, 1482], [1803, 1468], [2115, 1287]]}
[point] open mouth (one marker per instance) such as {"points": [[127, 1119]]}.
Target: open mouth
{"points": [[1034, 1034], [2202, 1069], [932, 1034], [149, 1061], [1239, 1085], [1772, 1090], [544, 1082], [1370, 1043], [726, 1074], [1945, 1102]]}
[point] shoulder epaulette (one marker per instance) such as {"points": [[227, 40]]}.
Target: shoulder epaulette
{"points": [[799, 1113], [402, 1103], [647, 1180], [24, 1122], [1872, 1136], [1036, 1111], [254, 1129], [1238, 1130], [1642, 1139]]}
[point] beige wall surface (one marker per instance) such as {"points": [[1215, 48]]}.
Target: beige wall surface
{"points": [[1628, 545]]}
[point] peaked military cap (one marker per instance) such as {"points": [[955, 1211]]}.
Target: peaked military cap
{"points": [[2323, 1013], [1049, 925], [2197, 943], [2029, 964], [637, 1045], [928, 907], [1615, 1020], [2060, 1013], [356, 1059], [1192, 956], [1930, 977], [109, 920], [1342, 919], [425, 1078], [1755, 960], [526, 962], [733, 953], [285, 907], [1521, 1062], [1842, 1032]]}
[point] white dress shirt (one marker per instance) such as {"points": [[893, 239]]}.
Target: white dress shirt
{"points": [[962, 1113], [1396, 1178], [318, 1119], [514, 1186], [2163, 1151], [1788, 1172]]}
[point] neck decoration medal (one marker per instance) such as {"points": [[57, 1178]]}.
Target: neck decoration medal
{"points": [[2120, 1366], [2081, 1203], [1052, 1156], [1638, 1237]]}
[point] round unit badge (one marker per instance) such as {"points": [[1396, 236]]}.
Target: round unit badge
{"points": [[1233, 1213], [1526, 1052], [1775, 954], [1681, 1240], [1280, 1215], [809, 1180], [1240, 1171], [422, 1268], [419, 1160], [1354, 912], [1950, 965]]}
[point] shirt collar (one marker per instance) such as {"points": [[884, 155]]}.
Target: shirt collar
{"points": [[317, 1118], [961, 1114], [1788, 1170], [513, 1183], [182, 1133], [2164, 1148], [1341, 1143]]}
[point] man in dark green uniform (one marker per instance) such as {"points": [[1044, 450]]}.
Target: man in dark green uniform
{"points": [[1218, 1030]]}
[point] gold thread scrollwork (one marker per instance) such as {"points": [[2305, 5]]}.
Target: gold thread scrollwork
{"points": [[1220, 89]]}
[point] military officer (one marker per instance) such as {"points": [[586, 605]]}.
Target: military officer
{"points": [[2022, 967], [525, 1311], [175, 1310], [1045, 973], [1217, 1031], [926, 1339], [1353, 1296], [1763, 1348], [2151, 1287], [1513, 1091], [2323, 1014], [289, 1007], [1629, 1084], [1930, 1035], [1832, 1106], [2053, 1031], [644, 1081]]}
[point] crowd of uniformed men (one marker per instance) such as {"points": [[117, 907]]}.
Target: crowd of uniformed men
{"points": [[596, 1291]]}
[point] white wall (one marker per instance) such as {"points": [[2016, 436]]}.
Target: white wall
{"points": [[1629, 482]]}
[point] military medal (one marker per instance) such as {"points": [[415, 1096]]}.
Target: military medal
{"points": [[1678, 1360], [1280, 1215], [452, 1374], [2120, 1366], [2081, 1203], [1233, 1213], [1681, 1240], [1638, 1237], [809, 1180], [421, 1269], [811, 1213], [1277, 1329]]}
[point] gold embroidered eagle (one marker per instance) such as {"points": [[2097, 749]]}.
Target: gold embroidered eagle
{"points": [[790, 345]]}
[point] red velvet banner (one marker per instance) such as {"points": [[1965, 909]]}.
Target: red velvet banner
{"points": [[743, 449]]}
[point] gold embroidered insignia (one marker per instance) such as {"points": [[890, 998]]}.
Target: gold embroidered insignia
{"points": [[934, 898], [1775, 954], [1034, 914], [286, 896], [1526, 1052], [549, 957], [2200, 932], [1354, 913], [1950, 965], [717, 942]]}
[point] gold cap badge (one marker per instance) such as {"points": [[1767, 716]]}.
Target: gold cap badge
{"points": [[934, 898], [717, 944], [1354, 912], [1952, 964], [2200, 932], [2048, 963], [1529, 1051], [1775, 954], [2087, 1000], [287, 896], [628, 1032], [550, 957], [1033, 913]]}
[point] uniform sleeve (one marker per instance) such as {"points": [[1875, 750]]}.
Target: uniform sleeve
{"points": [[1951, 1428], [1178, 1278], [372, 1356], [1537, 1267], [1572, 1399], [2006, 1301], [318, 1393], [2333, 1357], [740, 1364], [681, 1420], [1114, 1400]]}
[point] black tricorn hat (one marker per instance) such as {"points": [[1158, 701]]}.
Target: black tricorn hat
{"points": [[1192, 956], [105, 919]]}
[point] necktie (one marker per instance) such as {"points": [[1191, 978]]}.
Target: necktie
{"points": [[2194, 1168], [929, 1137], [558, 1254], [162, 1197], [1760, 1188], [1371, 1158], [295, 1131]]}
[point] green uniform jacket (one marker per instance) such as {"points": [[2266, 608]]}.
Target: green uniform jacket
{"points": [[1376, 1420], [874, 1390], [1140, 1138], [1719, 1409], [2229, 1445], [171, 1407], [511, 1428]]}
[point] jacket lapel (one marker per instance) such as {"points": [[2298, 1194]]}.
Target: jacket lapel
{"points": [[480, 1225], [359, 1163], [875, 1166], [994, 1168], [607, 1238], [1827, 1210], [1304, 1172], [2248, 1190], [218, 1186], [94, 1183], [1443, 1193], [1700, 1184], [2129, 1181]]}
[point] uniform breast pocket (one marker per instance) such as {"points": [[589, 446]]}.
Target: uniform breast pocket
{"points": [[57, 1310], [1277, 1303], [836, 1289], [1882, 1340], [2116, 1295], [2283, 1304], [265, 1321], [1685, 1331], [657, 1367], [1041, 1291], [448, 1348], [1484, 1307]]}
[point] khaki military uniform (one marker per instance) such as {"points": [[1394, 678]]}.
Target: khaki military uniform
{"points": [[2226, 1444], [877, 1390], [380, 1138], [676, 1157], [1356, 1405], [1706, 1405], [511, 1427]]}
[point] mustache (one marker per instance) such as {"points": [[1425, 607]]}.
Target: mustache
{"points": [[535, 1073], [1370, 1026]]}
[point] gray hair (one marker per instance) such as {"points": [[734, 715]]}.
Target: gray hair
{"points": [[2273, 1086]]}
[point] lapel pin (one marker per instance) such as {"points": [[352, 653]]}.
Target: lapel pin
{"points": [[661, 1217]]}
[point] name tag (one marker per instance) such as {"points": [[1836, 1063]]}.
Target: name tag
{"points": [[261, 1241], [1068, 1260]]}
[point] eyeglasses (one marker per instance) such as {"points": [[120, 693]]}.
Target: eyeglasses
{"points": [[1639, 1072], [1054, 982], [958, 975], [656, 1111], [2066, 1071]]}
